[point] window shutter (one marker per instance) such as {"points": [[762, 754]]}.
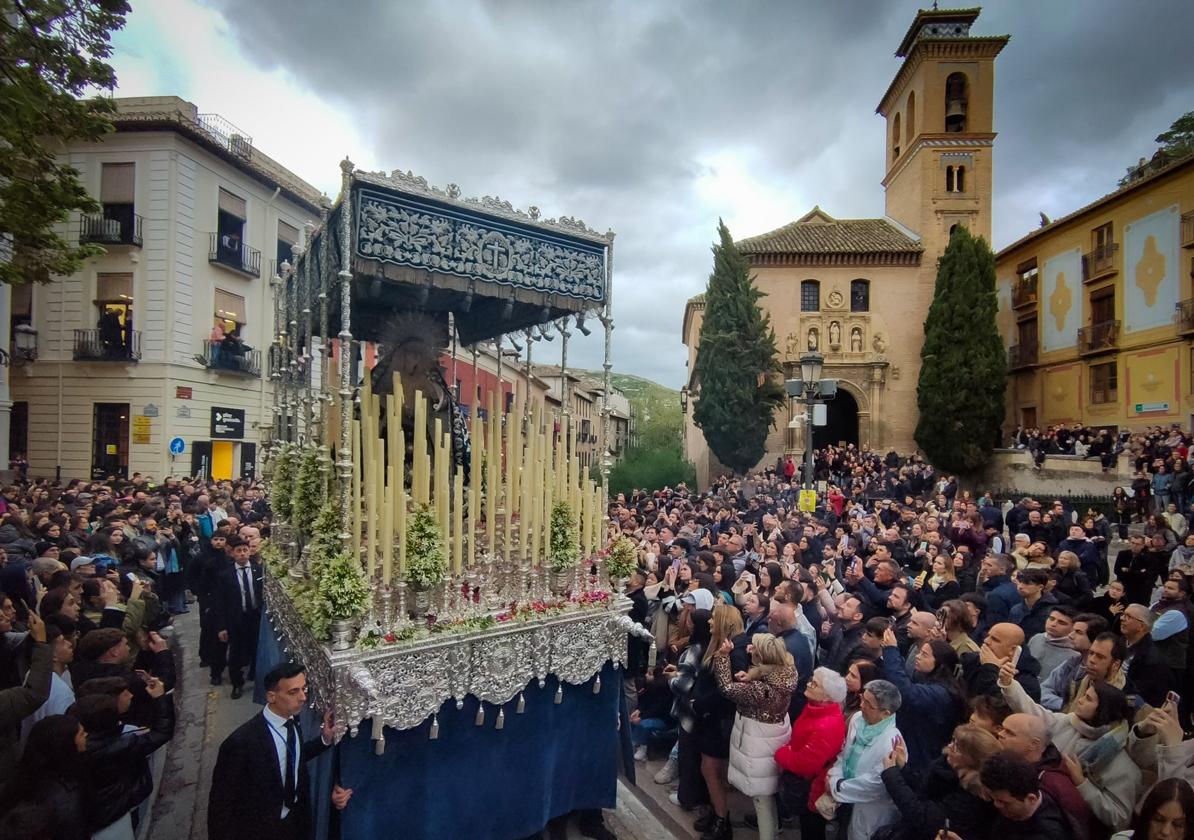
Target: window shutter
{"points": [[287, 233], [114, 287], [117, 182], [230, 307], [232, 204]]}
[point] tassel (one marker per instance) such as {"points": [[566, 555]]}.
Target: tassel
{"points": [[434, 735], [480, 719], [501, 721], [522, 704], [597, 685], [559, 694]]}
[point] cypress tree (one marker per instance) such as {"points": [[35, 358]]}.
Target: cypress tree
{"points": [[963, 373], [736, 364]]}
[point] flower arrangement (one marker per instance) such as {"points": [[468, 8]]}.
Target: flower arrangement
{"points": [[426, 559], [273, 559], [282, 485], [325, 535], [311, 606], [564, 548], [622, 559], [307, 493], [343, 587]]}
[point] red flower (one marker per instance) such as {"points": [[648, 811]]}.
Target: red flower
{"points": [[391, 638]]}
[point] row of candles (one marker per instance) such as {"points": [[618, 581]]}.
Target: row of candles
{"points": [[525, 471]]}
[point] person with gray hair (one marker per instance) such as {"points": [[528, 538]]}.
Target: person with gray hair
{"points": [[856, 776], [817, 737], [1146, 674]]}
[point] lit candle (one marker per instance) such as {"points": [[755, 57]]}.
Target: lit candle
{"points": [[477, 441], [356, 489], [457, 521], [494, 454], [419, 440], [387, 531]]}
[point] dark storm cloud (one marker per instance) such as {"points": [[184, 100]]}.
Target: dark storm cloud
{"points": [[613, 111]]}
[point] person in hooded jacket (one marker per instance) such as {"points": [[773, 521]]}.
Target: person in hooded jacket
{"points": [[118, 761], [52, 779], [933, 700], [682, 679]]}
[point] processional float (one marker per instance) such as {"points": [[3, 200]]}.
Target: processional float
{"points": [[420, 555]]}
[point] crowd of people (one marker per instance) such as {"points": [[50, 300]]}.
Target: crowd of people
{"points": [[91, 577], [910, 660]]}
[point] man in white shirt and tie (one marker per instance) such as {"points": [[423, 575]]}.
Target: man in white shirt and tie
{"points": [[239, 612]]}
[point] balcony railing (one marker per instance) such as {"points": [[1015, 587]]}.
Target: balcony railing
{"points": [[1185, 315], [110, 229], [1100, 262], [227, 135], [231, 357], [235, 255], [1023, 293], [105, 346], [1188, 229], [1021, 356], [1097, 338]]}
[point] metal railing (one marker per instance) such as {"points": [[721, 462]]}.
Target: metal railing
{"points": [[234, 358], [227, 135], [1021, 356], [1096, 338], [1099, 262], [1024, 292], [104, 346], [106, 229], [1188, 229], [1185, 315], [235, 255]]}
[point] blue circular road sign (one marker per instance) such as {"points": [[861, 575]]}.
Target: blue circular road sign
{"points": [[177, 446]]}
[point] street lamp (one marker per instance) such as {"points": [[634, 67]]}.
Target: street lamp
{"points": [[808, 388], [810, 368]]}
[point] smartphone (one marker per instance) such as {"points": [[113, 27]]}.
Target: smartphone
{"points": [[676, 564], [1016, 655], [924, 546], [1173, 699]]}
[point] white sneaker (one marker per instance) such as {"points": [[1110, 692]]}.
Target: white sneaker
{"points": [[668, 773], [640, 752], [674, 798]]}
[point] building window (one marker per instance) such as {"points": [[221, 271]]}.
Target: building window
{"points": [[911, 118], [229, 315], [810, 296], [1102, 308], [960, 179], [1026, 334], [230, 227], [1103, 383], [860, 295], [895, 137], [949, 179], [114, 298], [955, 103], [22, 305], [287, 238], [117, 188]]}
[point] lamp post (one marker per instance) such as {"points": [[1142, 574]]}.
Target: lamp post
{"points": [[807, 387]]}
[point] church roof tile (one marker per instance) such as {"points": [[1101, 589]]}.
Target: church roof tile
{"points": [[819, 233]]}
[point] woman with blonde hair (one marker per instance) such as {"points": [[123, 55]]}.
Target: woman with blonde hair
{"points": [[761, 724], [714, 720]]}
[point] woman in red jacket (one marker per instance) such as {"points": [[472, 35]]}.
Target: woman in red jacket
{"points": [[817, 738]]}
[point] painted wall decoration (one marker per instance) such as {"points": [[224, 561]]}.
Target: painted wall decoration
{"points": [[1150, 268], [1061, 301], [1005, 320], [1063, 394]]}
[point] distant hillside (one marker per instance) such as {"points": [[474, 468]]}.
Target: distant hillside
{"points": [[658, 418]]}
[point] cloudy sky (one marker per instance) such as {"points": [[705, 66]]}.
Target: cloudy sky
{"points": [[655, 118]]}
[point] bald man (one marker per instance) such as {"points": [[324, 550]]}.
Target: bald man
{"points": [[980, 671], [920, 630], [1027, 737]]}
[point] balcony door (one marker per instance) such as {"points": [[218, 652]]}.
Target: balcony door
{"points": [[110, 440], [117, 191]]}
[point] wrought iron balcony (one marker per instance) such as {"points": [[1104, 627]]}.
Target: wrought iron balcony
{"points": [[1100, 262], [225, 356], [104, 346], [1021, 356], [1098, 338], [111, 227], [1185, 315], [1024, 293], [1188, 229], [231, 253]]}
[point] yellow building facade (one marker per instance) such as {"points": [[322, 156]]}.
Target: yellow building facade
{"points": [[1097, 310], [858, 290]]}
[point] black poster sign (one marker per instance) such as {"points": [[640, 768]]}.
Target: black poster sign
{"points": [[227, 423]]}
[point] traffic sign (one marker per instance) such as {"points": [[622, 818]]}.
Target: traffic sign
{"points": [[177, 445]]}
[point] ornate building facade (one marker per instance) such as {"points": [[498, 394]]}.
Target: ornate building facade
{"points": [[858, 290]]}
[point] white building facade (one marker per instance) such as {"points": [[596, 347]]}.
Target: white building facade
{"points": [[166, 336]]}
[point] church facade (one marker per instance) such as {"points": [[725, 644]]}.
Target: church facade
{"points": [[858, 290]]}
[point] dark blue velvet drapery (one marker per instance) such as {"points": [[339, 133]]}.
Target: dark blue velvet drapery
{"points": [[475, 781]]}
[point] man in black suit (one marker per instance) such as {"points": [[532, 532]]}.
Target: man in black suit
{"points": [[260, 787], [237, 611]]}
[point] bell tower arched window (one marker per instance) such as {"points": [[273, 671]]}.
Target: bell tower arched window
{"points": [[956, 95], [911, 109], [895, 137], [949, 179]]}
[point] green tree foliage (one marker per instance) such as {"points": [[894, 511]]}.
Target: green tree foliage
{"points": [[52, 53], [1175, 143], [651, 468], [736, 364], [963, 370]]}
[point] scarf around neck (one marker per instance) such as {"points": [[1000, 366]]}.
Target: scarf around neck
{"points": [[864, 736]]}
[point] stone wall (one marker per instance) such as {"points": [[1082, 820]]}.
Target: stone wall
{"points": [[1011, 471]]}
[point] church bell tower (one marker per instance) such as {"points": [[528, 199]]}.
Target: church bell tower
{"points": [[940, 128]]}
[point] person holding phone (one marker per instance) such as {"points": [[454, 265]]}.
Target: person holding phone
{"points": [[20, 701]]}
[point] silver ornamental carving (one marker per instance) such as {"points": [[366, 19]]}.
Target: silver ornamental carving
{"points": [[404, 232], [402, 686]]}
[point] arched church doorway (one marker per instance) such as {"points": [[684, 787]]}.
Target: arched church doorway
{"points": [[842, 421]]}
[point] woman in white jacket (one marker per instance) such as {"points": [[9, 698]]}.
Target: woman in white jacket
{"points": [[856, 777], [1092, 739]]}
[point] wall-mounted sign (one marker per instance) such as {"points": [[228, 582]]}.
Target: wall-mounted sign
{"points": [[141, 428], [150, 410], [183, 411], [1145, 408], [182, 393], [227, 423], [177, 445]]}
